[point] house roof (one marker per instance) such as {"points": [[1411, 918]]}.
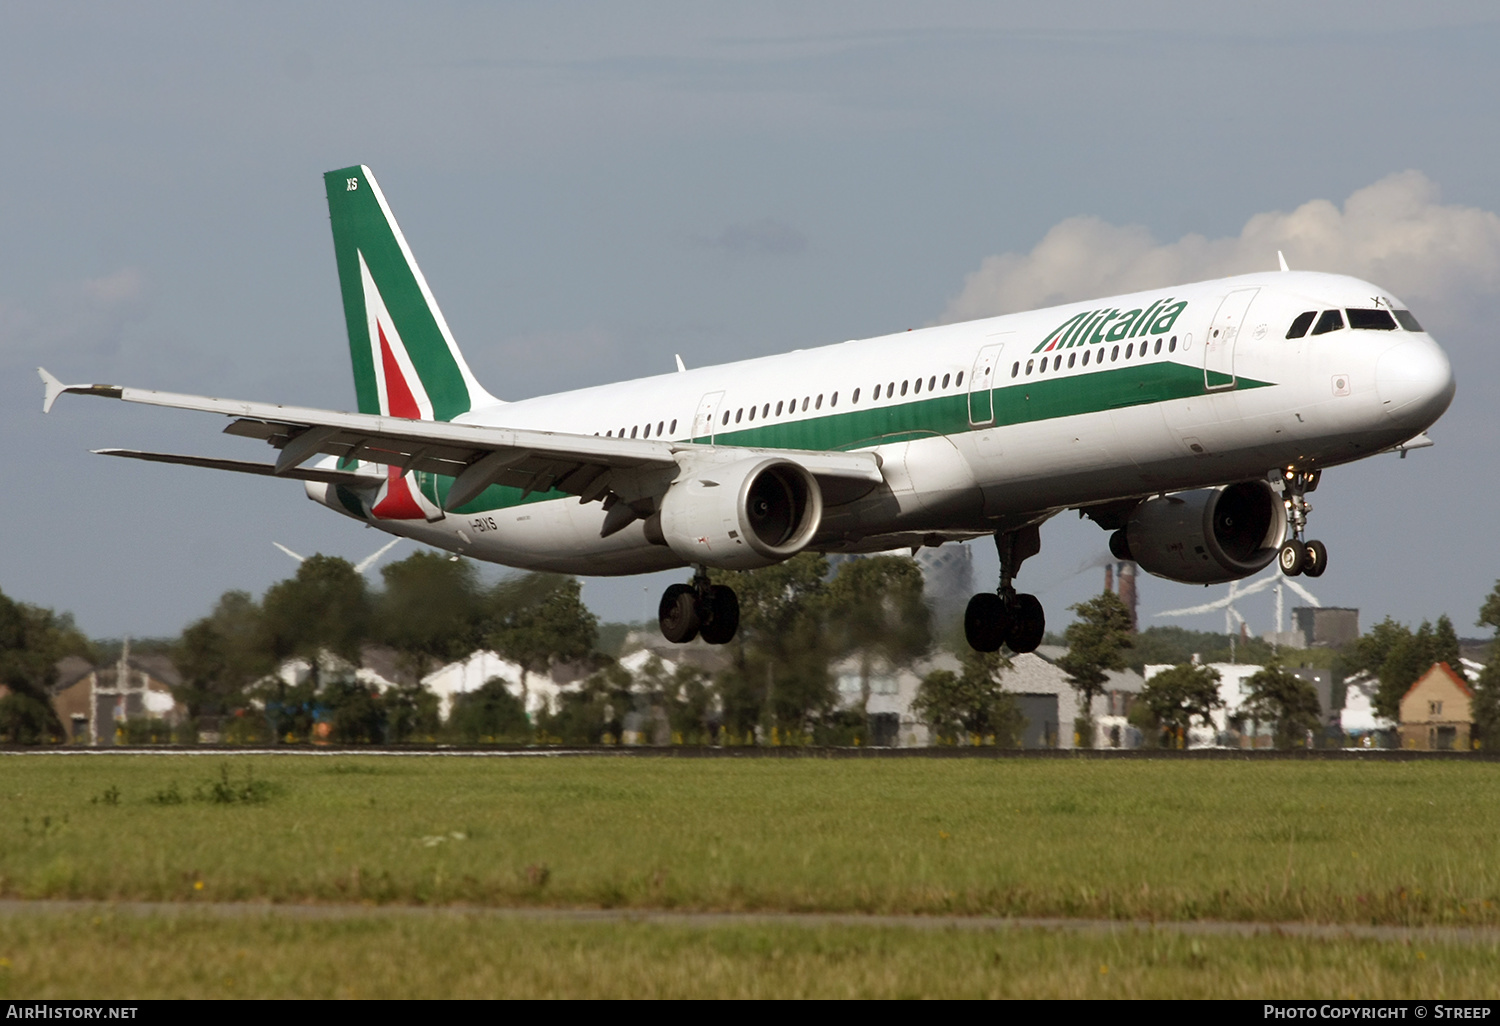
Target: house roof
{"points": [[1441, 668]]}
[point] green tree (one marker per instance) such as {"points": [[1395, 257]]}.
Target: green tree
{"points": [[489, 713], [1399, 656], [324, 609], [431, 611], [541, 619], [1279, 695], [970, 704], [778, 677], [1485, 707], [876, 613], [354, 711], [32, 640], [221, 656], [1097, 642], [592, 713], [1177, 695]]}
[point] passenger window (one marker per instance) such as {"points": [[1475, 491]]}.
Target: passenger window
{"points": [[738, 414], [1041, 368], [647, 432], [1407, 320], [1331, 320], [1172, 345], [1371, 320], [960, 379], [1129, 350], [946, 379], [1157, 350], [1015, 368], [932, 383], [632, 432], [659, 426], [1114, 354], [918, 389], [833, 400], [1301, 324], [854, 398], [1057, 361], [1086, 354], [778, 408], [805, 401], [890, 390], [903, 387], [1072, 358], [609, 434], [819, 404], [674, 426], [1028, 368], [752, 413], [726, 416], [765, 411]]}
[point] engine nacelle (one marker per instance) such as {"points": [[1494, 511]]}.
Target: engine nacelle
{"points": [[740, 516], [1211, 536]]}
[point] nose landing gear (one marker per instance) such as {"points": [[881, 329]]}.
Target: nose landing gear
{"points": [[1005, 617], [1298, 556], [701, 608]]}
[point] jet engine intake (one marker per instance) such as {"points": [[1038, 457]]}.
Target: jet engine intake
{"points": [[1209, 536], [740, 516]]}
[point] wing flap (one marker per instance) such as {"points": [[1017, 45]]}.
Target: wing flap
{"points": [[341, 477]]}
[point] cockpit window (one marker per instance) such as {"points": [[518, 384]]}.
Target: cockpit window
{"points": [[1407, 320], [1371, 320], [1331, 320], [1301, 324]]}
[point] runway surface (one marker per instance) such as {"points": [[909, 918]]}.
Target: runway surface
{"points": [[14, 908]]}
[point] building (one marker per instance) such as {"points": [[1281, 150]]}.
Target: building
{"points": [[1435, 712], [1326, 626], [95, 702]]}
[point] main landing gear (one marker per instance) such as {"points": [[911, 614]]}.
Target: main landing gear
{"points": [[700, 608], [1005, 617], [1298, 556]]}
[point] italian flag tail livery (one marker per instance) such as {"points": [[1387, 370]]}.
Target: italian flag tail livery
{"points": [[406, 363]]}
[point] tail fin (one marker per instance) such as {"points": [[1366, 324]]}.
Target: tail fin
{"points": [[406, 363]]}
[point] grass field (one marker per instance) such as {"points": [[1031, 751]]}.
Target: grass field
{"points": [[1399, 843], [393, 956]]}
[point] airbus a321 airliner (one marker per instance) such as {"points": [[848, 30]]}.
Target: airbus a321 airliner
{"points": [[1190, 422]]}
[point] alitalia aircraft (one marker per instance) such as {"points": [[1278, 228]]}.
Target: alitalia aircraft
{"points": [[1190, 422]]}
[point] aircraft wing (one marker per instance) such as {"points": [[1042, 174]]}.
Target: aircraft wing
{"points": [[476, 456]]}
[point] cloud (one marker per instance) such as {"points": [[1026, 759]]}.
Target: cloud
{"points": [[86, 316], [765, 237], [1444, 260]]}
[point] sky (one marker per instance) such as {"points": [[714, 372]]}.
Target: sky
{"points": [[592, 188]]}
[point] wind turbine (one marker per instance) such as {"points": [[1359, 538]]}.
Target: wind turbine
{"points": [[1237, 591], [360, 567]]}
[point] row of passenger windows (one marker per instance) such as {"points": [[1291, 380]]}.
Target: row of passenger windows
{"points": [[661, 429], [1360, 320], [913, 385], [1114, 355]]}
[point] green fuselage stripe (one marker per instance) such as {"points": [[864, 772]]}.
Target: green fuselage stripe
{"points": [[1037, 398]]}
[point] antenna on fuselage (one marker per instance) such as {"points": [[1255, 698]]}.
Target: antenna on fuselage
{"points": [[1282, 260], [681, 367]]}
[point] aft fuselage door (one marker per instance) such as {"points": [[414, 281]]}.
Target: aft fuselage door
{"points": [[1218, 346], [982, 384], [703, 421]]}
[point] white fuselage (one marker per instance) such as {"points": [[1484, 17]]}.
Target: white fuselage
{"points": [[977, 437]]}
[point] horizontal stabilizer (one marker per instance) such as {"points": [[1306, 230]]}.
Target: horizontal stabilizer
{"points": [[339, 477]]}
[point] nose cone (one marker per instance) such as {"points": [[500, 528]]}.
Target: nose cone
{"points": [[1415, 383]]}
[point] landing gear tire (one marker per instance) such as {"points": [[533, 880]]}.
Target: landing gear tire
{"points": [[678, 614], [723, 617], [985, 622], [1317, 559], [1028, 622], [1292, 558]]}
